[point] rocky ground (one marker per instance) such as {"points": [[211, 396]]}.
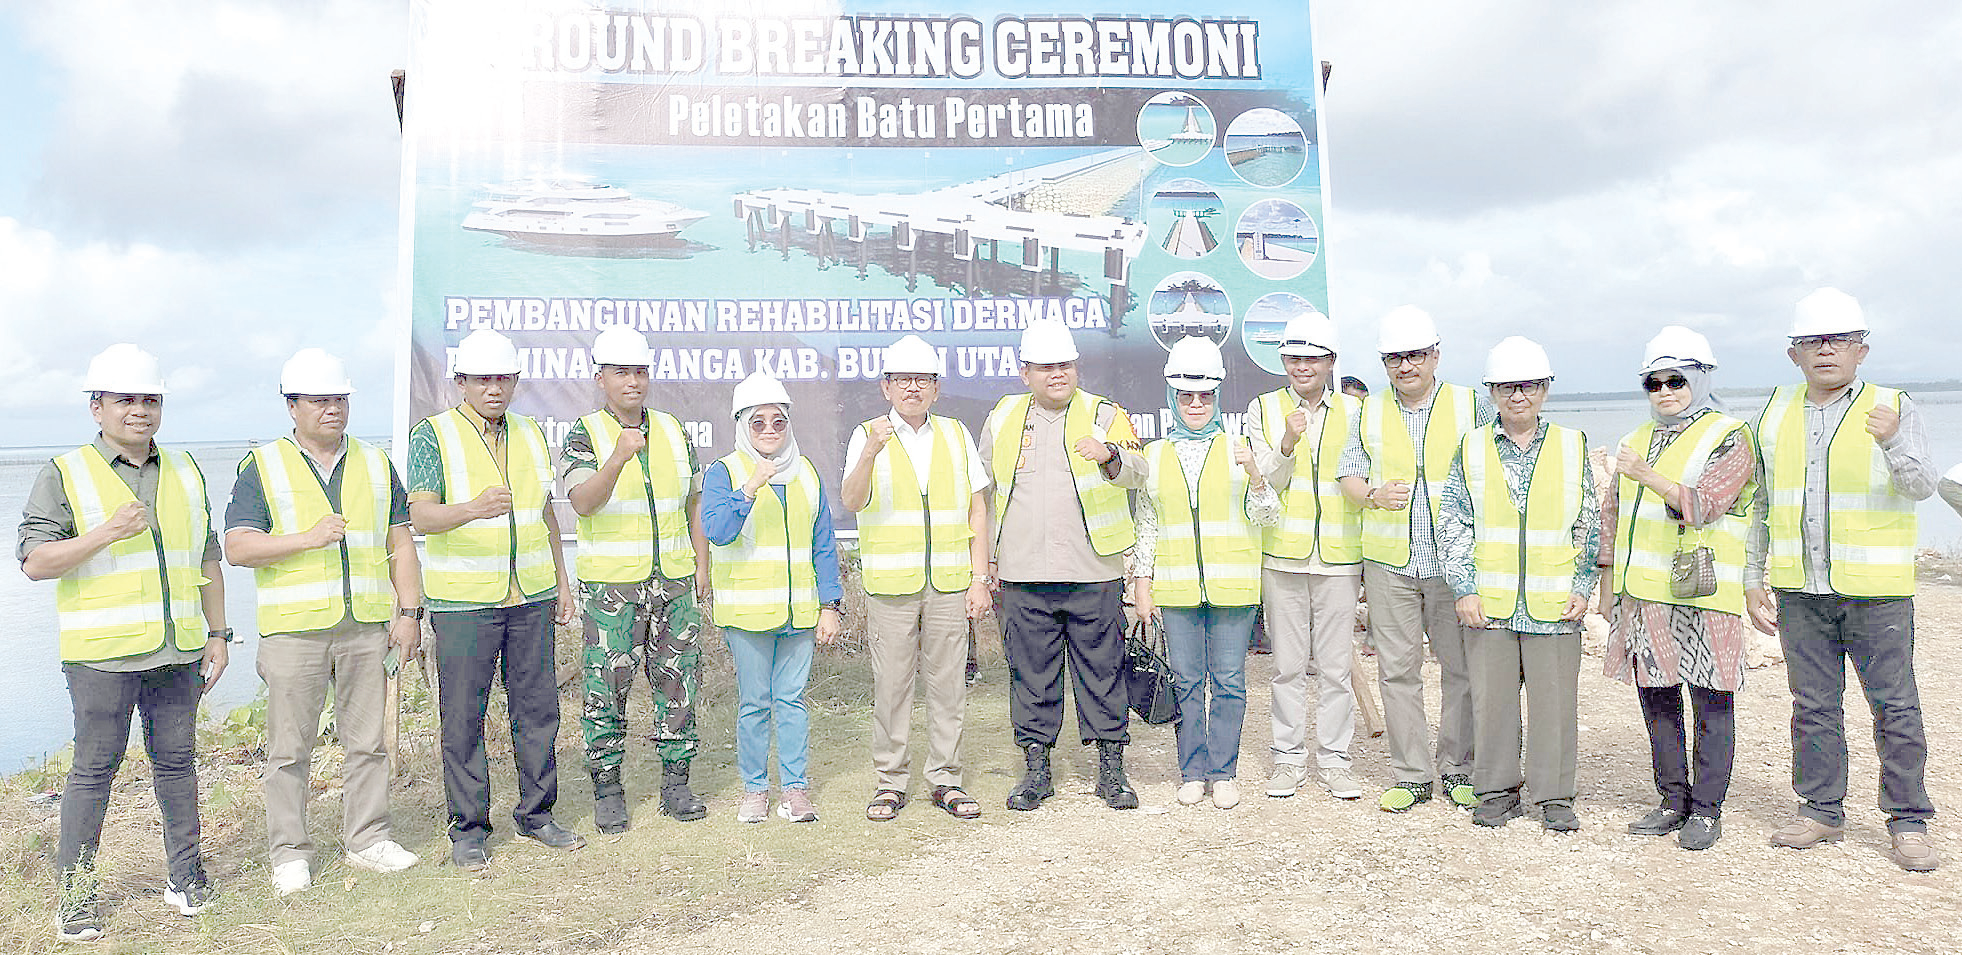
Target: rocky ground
{"points": [[1314, 874]]}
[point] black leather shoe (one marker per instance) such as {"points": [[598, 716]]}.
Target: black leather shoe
{"points": [[1559, 817], [1493, 813], [554, 835], [1659, 822], [1036, 784], [1699, 833], [469, 856]]}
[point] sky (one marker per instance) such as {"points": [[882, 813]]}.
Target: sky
{"points": [[218, 180]]}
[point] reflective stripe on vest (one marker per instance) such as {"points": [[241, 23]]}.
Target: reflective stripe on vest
{"points": [[1105, 506], [310, 590], [473, 563], [903, 531], [766, 577], [114, 604], [1392, 457], [1224, 569], [1318, 521], [617, 542], [1870, 530], [1648, 538], [1540, 550]]}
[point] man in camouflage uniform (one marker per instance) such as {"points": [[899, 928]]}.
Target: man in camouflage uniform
{"points": [[631, 476]]}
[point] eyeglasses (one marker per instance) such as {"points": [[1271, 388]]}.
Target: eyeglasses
{"points": [[1195, 397], [912, 382], [1838, 342], [768, 425], [1673, 382], [1509, 388], [1407, 357]]}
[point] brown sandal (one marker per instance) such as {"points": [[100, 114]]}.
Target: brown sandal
{"points": [[885, 804], [957, 803]]}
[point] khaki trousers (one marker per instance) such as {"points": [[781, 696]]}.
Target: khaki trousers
{"points": [[924, 634], [1547, 666], [298, 669], [1311, 617], [1402, 611]]}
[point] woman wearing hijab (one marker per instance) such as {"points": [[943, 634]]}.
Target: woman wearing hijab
{"points": [[1678, 503], [1197, 562], [775, 577]]}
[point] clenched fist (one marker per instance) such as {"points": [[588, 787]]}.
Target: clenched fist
{"points": [[495, 501], [1092, 450]]}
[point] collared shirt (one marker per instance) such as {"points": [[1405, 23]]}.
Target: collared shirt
{"points": [[578, 462], [48, 516], [1906, 455], [1424, 543], [1279, 469], [1043, 539], [426, 484], [918, 443], [1459, 536]]}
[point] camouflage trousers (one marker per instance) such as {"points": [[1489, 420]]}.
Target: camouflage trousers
{"points": [[653, 626]]}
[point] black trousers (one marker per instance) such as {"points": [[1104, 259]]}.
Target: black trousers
{"points": [[1662, 710], [1041, 624], [473, 647], [104, 702]]}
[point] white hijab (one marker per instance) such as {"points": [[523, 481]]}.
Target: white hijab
{"points": [[785, 457]]}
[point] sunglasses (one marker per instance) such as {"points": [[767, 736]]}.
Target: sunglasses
{"points": [[768, 425], [1195, 397], [1673, 382]]}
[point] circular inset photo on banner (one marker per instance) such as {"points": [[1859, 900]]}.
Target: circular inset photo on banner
{"points": [[1187, 304], [1277, 239], [1260, 331], [1176, 128], [1266, 147], [1185, 217]]}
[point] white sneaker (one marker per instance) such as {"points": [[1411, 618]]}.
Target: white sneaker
{"points": [[1226, 793], [291, 877], [1287, 778], [383, 856], [1192, 792], [1341, 783]]}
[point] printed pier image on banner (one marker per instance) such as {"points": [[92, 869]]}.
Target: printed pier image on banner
{"points": [[789, 192]]}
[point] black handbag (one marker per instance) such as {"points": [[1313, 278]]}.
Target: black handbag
{"points": [[1147, 677]]}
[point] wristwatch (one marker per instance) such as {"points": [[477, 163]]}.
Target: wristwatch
{"points": [[225, 635], [837, 605], [413, 613]]}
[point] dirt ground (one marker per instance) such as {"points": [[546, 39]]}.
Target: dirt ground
{"points": [[1315, 874]]}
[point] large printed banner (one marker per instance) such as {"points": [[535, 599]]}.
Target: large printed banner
{"points": [[789, 187]]}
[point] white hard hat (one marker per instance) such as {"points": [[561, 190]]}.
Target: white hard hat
{"points": [[621, 345], [1309, 336], [758, 389], [1047, 341], [124, 369], [1674, 347], [1827, 311], [1406, 328], [485, 352], [312, 371], [1195, 364], [911, 356], [1517, 359]]}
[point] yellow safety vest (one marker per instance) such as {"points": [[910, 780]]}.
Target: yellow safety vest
{"points": [[1537, 553], [1105, 506], [138, 594], [766, 577], [1650, 538], [317, 589], [907, 536], [617, 543], [473, 563], [1317, 520], [1392, 457], [1870, 529], [1211, 556]]}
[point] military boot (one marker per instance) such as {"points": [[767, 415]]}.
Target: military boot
{"points": [[1035, 785], [677, 799], [609, 801], [1112, 787]]}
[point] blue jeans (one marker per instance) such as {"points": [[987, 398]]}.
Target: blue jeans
{"points": [[1207, 643], [771, 671]]}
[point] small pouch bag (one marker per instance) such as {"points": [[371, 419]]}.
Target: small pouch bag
{"points": [[1693, 571]]}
